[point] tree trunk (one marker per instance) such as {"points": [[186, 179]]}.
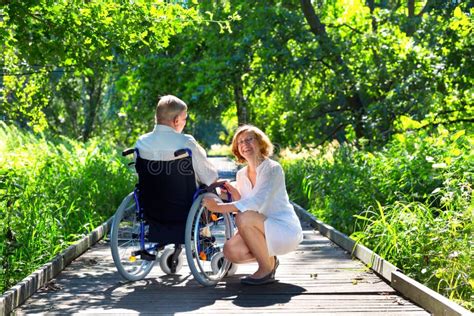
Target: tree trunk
{"points": [[94, 91], [353, 98], [371, 5], [411, 27], [241, 103], [358, 111]]}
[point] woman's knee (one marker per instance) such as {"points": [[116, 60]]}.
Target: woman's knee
{"points": [[245, 218], [249, 218], [228, 252], [232, 252]]}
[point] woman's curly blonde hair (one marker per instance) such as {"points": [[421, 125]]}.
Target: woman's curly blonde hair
{"points": [[266, 146]]}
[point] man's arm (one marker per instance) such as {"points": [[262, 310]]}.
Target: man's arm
{"points": [[205, 171]]}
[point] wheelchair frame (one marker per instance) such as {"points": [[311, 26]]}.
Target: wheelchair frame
{"points": [[205, 233]]}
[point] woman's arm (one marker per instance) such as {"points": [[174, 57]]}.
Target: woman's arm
{"points": [[218, 207]]}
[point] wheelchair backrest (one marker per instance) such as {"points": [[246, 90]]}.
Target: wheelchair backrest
{"points": [[165, 189]]}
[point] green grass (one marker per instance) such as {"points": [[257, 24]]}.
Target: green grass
{"points": [[411, 202], [52, 192]]}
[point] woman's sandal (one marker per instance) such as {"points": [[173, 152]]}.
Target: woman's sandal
{"points": [[277, 263], [269, 278], [260, 281]]}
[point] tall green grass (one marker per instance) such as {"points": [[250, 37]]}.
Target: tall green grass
{"points": [[52, 192], [411, 202]]}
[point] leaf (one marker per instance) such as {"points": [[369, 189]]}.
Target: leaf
{"points": [[409, 123], [69, 62], [455, 152], [458, 13], [457, 135], [400, 137]]}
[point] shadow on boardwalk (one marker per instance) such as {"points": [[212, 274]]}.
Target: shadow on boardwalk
{"points": [[165, 294], [317, 278]]}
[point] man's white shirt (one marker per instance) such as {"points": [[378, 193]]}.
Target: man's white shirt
{"points": [[163, 141]]}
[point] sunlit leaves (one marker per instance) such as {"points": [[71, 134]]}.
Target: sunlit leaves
{"points": [[461, 22], [410, 202], [92, 39]]}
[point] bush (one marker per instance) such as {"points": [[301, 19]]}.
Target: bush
{"points": [[53, 192], [411, 202]]}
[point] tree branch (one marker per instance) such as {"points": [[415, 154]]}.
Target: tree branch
{"points": [[320, 60], [331, 135], [346, 25], [427, 8], [314, 22]]}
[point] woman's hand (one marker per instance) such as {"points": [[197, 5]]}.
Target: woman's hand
{"points": [[232, 190], [210, 203]]}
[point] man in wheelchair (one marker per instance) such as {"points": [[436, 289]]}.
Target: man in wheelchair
{"points": [[160, 173], [165, 207]]}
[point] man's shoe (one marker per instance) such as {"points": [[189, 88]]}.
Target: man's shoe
{"points": [[261, 281]]}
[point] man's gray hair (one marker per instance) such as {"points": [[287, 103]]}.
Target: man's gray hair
{"points": [[168, 108]]}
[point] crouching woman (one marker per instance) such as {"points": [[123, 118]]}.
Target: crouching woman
{"points": [[266, 221]]}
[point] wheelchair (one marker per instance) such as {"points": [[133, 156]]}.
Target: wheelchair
{"points": [[165, 210]]}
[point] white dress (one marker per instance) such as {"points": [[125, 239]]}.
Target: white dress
{"points": [[269, 197]]}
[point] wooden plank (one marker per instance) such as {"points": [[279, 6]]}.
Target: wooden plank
{"points": [[420, 294], [29, 285], [374, 261], [91, 284], [425, 297]]}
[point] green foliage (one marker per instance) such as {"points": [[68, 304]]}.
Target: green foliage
{"points": [[99, 67], [366, 71], [51, 49], [430, 244], [411, 202], [52, 193]]}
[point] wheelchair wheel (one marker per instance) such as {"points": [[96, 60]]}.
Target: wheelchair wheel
{"points": [[216, 262], [166, 261], [125, 240], [206, 233]]}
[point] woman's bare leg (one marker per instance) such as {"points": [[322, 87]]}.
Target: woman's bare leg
{"points": [[236, 250], [252, 231]]}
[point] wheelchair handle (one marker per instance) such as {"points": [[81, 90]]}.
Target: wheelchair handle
{"points": [[183, 151], [215, 185], [128, 151]]}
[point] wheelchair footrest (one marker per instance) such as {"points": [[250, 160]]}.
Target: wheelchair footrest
{"points": [[144, 255]]}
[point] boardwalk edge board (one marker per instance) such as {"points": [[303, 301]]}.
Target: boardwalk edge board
{"points": [[16, 295], [430, 300]]}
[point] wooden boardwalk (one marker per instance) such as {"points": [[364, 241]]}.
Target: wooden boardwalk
{"points": [[318, 278]]}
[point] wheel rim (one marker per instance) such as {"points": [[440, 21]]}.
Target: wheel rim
{"points": [[206, 239], [125, 239]]}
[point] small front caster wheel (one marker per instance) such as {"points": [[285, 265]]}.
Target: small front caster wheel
{"points": [[167, 264]]}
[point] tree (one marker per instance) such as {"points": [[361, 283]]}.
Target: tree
{"points": [[77, 45]]}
